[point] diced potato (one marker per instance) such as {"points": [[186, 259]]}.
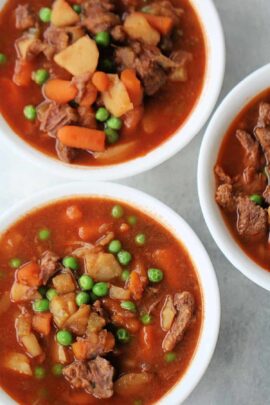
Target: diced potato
{"points": [[102, 266], [31, 345], [4, 302], [95, 323], [62, 307], [119, 293], [137, 27], [18, 362], [63, 14], [168, 313], [64, 283], [80, 57], [59, 353], [20, 292], [77, 322], [23, 325], [132, 383], [116, 99], [115, 153], [23, 44]]}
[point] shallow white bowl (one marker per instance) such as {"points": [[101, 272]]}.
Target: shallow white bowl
{"points": [[201, 112], [231, 106], [181, 230]]}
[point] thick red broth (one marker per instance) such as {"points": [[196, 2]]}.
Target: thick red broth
{"points": [[159, 320], [242, 174], [166, 72]]}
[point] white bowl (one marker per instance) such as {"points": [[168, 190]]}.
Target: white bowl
{"points": [[181, 230], [231, 106], [212, 84]]}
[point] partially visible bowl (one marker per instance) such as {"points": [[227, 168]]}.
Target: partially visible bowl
{"points": [[215, 49], [181, 230], [234, 102]]}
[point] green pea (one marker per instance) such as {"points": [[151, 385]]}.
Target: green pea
{"points": [[117, 211], [57, 369], [170, 357], [3, 59], [115, 246], [41, 76], [77, 8], [70, 262], [155, 275], [123, 335], [51, 293], [86, 282], [257, 199], [42, 290], [124, 257], [128, 305], [30, 112], [44, 234], [146, 319], [112, 136], [45, 14], [101, 289], [103, 38], [125, 275], [114, 123], [41, 305], [64, 337], [102, 114], [140, 239], [82, 298], [15, 262], [39, 372], [132, 220]]}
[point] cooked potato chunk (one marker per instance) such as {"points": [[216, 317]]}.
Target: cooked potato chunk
{"points": [[64, 283], [31, 345], [95, 323], [137, 27], [168, 313], [77, 322], [20, 292], [116, 99], [23, 325], [18, 362], [63, 14], [23, 44], [132, 383], [80, 57], [59, 353], [119, 293], [62, 307], [102, 266]]}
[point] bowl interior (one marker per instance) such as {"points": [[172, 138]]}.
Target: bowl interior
{"points": [[182, 232], [235, 101]]}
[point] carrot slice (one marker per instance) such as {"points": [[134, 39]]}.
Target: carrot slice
{"points": [[29, 274], [90, 95], [101, 81], [60, 91], [133, 86], [135, 285], [42, 323], [162, 24], [82, 138]]}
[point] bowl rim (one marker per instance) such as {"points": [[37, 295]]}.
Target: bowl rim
{"points": [[234, 102], [182, 231], [215, 68]]}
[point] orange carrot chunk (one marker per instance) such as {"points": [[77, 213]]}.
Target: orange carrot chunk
{"points": [[133, 86], [162, 24], [42, 323], [135, 285], [29, 274], [90, 95], [82, 138], [101, 81], [60, 91]]}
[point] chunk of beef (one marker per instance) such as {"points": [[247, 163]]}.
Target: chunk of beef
{"points": [[221, 175], [65, 153], [251, 218], [53, 116], [49, 265], [252, 181], [25, 18], [95, 377], [99, 16], [96, 344], [264, 115], [55, 40], [225, 197], [87, 117], [263, 136], [184, 304], [118, 34], [179, 73], [266, 194], [165, 9], [251, 148]]}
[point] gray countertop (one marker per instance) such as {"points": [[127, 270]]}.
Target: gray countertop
{"points": [[240, 369]]}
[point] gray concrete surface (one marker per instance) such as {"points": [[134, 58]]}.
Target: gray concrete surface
{"points": [[239, 373]]}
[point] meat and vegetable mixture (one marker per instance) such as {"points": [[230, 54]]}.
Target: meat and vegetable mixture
{"points": [[99, 82], [98, 301], [242, 173]]}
